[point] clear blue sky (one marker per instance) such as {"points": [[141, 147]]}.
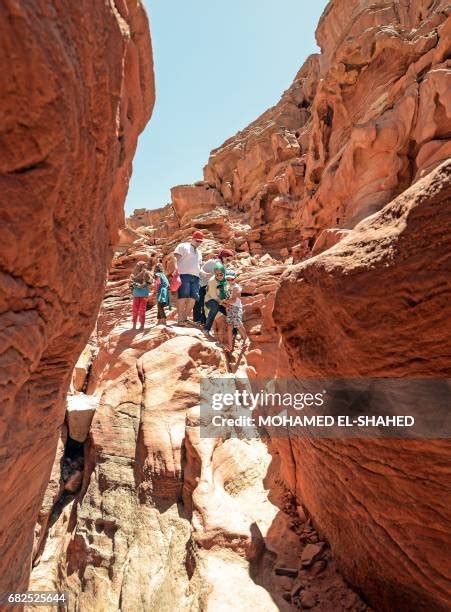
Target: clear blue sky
{"points": [[218, 65]]}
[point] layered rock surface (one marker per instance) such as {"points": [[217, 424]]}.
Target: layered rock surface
{"points": [[166, 519], [194, 513], [76, 89], [377, 305], [361, 122]]}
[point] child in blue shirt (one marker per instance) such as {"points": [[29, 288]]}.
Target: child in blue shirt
{"points": [[162, 291]]}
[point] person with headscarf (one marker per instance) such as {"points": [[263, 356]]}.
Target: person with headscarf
{"points": [[224, 256], [217, 293]]}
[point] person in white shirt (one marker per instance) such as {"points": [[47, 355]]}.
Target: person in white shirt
{"points": [[225, 256], [188, 263]]}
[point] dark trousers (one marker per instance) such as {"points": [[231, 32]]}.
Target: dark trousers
{"points": [[213, 308], [160, 311], [199, 307]]}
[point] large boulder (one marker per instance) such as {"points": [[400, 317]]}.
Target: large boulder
{"points": [[77, 88], [82, 367], [192, 200], [79, 413], [128, 526]]}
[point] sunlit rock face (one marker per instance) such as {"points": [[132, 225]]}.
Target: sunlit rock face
{"points": [[167, 519], [191, 200], [361, 122], [377, 305], [158, 498], [77, 88]]}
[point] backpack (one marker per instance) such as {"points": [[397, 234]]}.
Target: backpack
{"points": [[175, 281]]}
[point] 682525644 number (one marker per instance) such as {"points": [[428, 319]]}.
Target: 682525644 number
{"points": [[37, 598]]}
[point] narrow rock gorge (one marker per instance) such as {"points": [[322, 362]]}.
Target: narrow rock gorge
{"points": [[336, 203]]}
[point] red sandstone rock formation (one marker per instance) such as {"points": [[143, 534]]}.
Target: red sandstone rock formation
{"points": [[190, 200], [147, 218], [377, 304], [159, 500], [166, 518], [360, 123], [76, 85]]}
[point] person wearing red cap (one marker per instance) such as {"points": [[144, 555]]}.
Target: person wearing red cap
{"points": [[188, 262], [225, 256]]}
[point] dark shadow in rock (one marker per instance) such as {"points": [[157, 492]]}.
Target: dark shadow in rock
{"points": [[279, 537], [292, 584]]}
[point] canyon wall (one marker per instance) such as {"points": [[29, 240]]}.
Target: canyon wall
{"points": [[361, 122], [377, 305], [76, 84], [163, 518]]}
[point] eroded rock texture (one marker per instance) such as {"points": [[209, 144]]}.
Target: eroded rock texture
{"points": [[76, 88], [361, 122], [166, 519], [377, 304], [365, 120]]}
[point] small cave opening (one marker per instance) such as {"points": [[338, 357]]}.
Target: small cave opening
{"points": [[315, 177], [74, 449], [72, 470], [73, 464], [304, 104]]}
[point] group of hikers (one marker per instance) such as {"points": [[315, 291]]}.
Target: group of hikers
{"points": [[209, 295]]}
